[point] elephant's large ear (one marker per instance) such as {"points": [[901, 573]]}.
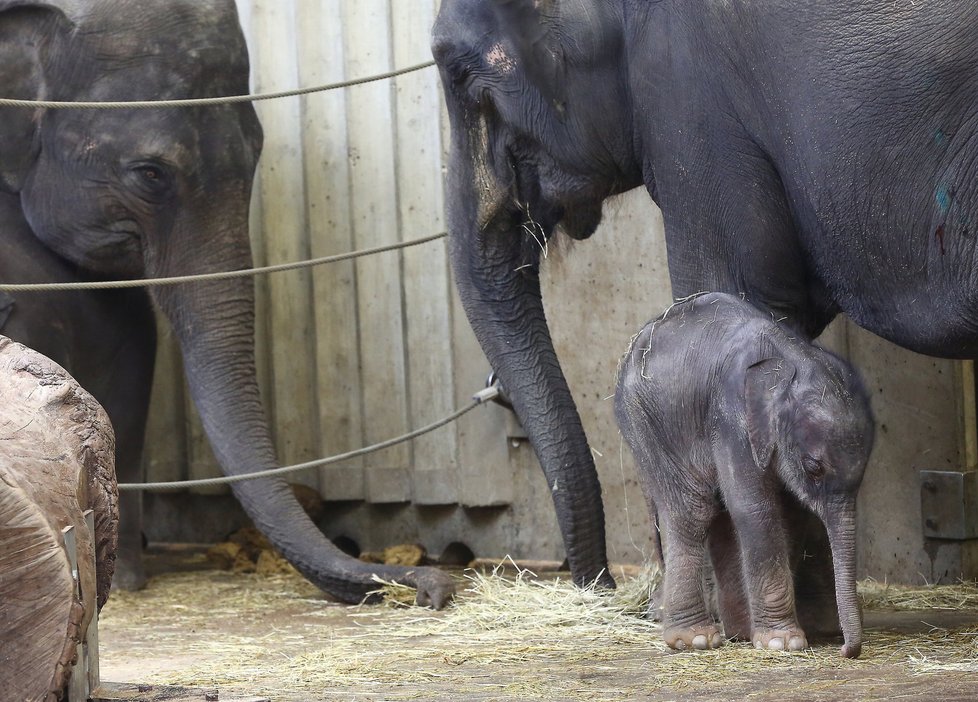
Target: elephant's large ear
{"points": [[22, 46], [530, 25], [766, 386]]}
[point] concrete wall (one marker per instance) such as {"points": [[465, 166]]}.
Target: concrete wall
{"points": [[353, 353]]}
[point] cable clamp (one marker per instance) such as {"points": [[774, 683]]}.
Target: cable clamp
{"points": [[486, 394]]}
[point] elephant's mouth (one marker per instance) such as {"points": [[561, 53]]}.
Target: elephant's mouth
{"points": [[116, 249], [580, 222]]}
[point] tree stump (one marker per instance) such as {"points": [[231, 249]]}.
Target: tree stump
{"points": [[57, 460]]}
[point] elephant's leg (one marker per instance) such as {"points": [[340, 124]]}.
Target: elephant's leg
{"points": [[763, 541], [125, 395], [732, 602], [686, 618]]}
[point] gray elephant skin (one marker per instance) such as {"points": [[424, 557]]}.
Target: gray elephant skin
{"points": [[725, 409], [97, 194], [817, 157]]}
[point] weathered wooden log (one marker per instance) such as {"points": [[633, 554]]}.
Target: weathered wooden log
{"points": [[56, 461]]}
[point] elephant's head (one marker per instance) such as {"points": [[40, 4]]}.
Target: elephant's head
{"points": [[541, 132], [809, 419], [159, 192], [540, 136]]}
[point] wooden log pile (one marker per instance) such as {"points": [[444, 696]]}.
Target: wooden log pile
{"points": [[56, 461]]}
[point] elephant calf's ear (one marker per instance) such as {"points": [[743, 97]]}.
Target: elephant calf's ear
{"points": [[766, 393]]}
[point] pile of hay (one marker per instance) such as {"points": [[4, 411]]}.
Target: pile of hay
{"points": [[883, 596], [248, 551]]}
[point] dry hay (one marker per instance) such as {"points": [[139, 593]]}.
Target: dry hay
{"points": [[905, 598], [498, 629]]}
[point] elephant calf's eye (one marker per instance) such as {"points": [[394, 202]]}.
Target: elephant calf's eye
{"points": [[813, 469]]}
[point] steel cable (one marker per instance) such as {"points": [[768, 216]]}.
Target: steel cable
{"points": [[200, 102], [221, 275], [479, 398]]}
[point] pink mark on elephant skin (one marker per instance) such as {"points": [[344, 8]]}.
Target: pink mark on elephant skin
{"points": [[500, 60]]}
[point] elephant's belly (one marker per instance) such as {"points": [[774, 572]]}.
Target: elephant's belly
{"points": [[933, 320]]}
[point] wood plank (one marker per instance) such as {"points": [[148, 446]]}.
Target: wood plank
{"points": [[283, 227], [427, 303], [375, 222], [131, 692], [325, 148], [484, 470]]}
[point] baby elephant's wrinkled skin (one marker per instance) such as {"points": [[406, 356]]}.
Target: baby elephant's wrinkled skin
{"points": [[724, 408]]}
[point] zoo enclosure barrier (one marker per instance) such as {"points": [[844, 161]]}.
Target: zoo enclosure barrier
{"points": [[490, 393]]}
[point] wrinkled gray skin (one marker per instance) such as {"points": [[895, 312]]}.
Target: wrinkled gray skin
{"points": [[147, 193], [816, 157], [724, 408]]}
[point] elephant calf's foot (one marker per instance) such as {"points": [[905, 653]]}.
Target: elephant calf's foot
{"points": [[780, 639], [700, 637]]}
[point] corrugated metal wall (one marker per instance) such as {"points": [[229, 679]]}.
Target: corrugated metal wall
{"points": [[356, 352]]}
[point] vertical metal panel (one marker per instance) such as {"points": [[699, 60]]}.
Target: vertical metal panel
{"points": [[426, 284], [329, 211], [284, 232], [374, 194]]}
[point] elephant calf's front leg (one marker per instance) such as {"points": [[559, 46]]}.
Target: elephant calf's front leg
{"points": [[767, 574]]}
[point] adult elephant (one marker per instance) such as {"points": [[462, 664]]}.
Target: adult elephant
{"points": [[816, 157], [90, 194]]}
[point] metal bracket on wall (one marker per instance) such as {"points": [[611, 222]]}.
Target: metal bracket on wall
{"points": [[949, 504]]}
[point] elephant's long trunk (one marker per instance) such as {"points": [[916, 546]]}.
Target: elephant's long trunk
{"points": [[214, 322], [503, 303], [840, 524]]}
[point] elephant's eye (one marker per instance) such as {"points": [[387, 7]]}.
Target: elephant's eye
{"points": [[151, 177], [150, 173], [813, 468]]}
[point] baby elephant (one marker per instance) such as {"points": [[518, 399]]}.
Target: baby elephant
{"points": [[724, 408]]}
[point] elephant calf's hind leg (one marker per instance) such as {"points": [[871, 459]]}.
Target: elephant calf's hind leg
{"points": [[688, 624]]}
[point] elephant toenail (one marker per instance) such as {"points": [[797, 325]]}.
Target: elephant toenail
{"points": [[758, 644], [716, 641], [699, 642], [796, 644], [776, 644], [680, 645]]}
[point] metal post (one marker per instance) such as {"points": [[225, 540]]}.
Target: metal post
{"points": [[90, 639], [85, 674]]}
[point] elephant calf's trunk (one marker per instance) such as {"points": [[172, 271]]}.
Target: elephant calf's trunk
{"points": [[842, 538]]}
